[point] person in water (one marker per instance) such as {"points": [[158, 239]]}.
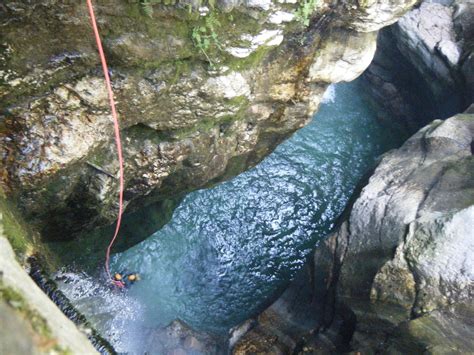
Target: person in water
{"points": [[126, 279]]}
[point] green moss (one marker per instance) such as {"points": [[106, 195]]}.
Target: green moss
{"points": [[22, 237], [159, 30], [305, 11], [252, 61], [38, 324], [206, 39], [181, 67], [209, 33], [12, 227]]}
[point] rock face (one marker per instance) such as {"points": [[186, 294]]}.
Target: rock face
{"points": [[398, 273], [424, 66], [203, 94], [31, 322]]}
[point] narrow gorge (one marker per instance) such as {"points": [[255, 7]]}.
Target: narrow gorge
{"points": [[298, 177]]}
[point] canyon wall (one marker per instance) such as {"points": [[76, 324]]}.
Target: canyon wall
{"points": [[204, 92], [423, 68], [396, 274]]}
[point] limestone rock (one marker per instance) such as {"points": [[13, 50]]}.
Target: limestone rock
{"points": [[344, 57], [179, 338], [439, 332], [20, 340], [228, 86], [425, 31], [372, 15], [202, 95]]}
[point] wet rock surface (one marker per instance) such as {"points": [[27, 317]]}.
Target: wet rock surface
{"points": [[423, 67], [178, 338], [397, 274], [192, 113], [32, 324]]}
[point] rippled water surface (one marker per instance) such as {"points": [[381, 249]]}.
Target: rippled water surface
{"points": [[228, 249]]}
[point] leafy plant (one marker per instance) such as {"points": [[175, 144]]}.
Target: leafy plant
{"points": [[306, 9], [147, 6], [205, 36]]}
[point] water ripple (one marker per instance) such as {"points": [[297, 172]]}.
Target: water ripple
{"points": [[228, 249]]}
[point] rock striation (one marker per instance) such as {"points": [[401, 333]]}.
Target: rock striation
{"points": [[397, 275], [203, 93]]}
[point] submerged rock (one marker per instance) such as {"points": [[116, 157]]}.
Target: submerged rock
{"points": [[398, 274], [179, 338], [203, 95]]}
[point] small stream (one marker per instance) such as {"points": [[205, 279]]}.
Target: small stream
{"points": [[230, 249]]}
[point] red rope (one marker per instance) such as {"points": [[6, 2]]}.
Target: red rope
{"points": [[117, 139]]}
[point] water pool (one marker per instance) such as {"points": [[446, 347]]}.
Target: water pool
{"points": [[229, 249]]}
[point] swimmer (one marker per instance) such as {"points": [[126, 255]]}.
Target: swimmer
{"points": [[126, 280]]}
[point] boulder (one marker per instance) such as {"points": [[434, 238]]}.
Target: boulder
{"points": [[179, 338]]}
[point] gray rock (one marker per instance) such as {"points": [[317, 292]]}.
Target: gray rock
{"points": [[368, 16], [19, 339], [423, 32], [423, 68], [344, 57], [179, 338]]}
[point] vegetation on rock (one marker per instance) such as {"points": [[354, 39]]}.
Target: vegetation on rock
{"points": [[305, 11], [205, 36]]}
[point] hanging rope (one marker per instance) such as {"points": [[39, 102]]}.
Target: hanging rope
{"points": [[118, 142]]}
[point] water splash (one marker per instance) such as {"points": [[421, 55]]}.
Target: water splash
{"points": [[329, 95], [113, 312]]}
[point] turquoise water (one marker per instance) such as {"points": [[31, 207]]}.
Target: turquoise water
{"points": [[229, 249]]}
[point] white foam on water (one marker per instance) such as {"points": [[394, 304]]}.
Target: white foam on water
{"points": [[329, 95], [115, 314]]}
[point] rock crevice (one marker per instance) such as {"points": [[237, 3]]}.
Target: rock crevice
{"points": [[423, 67]]}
